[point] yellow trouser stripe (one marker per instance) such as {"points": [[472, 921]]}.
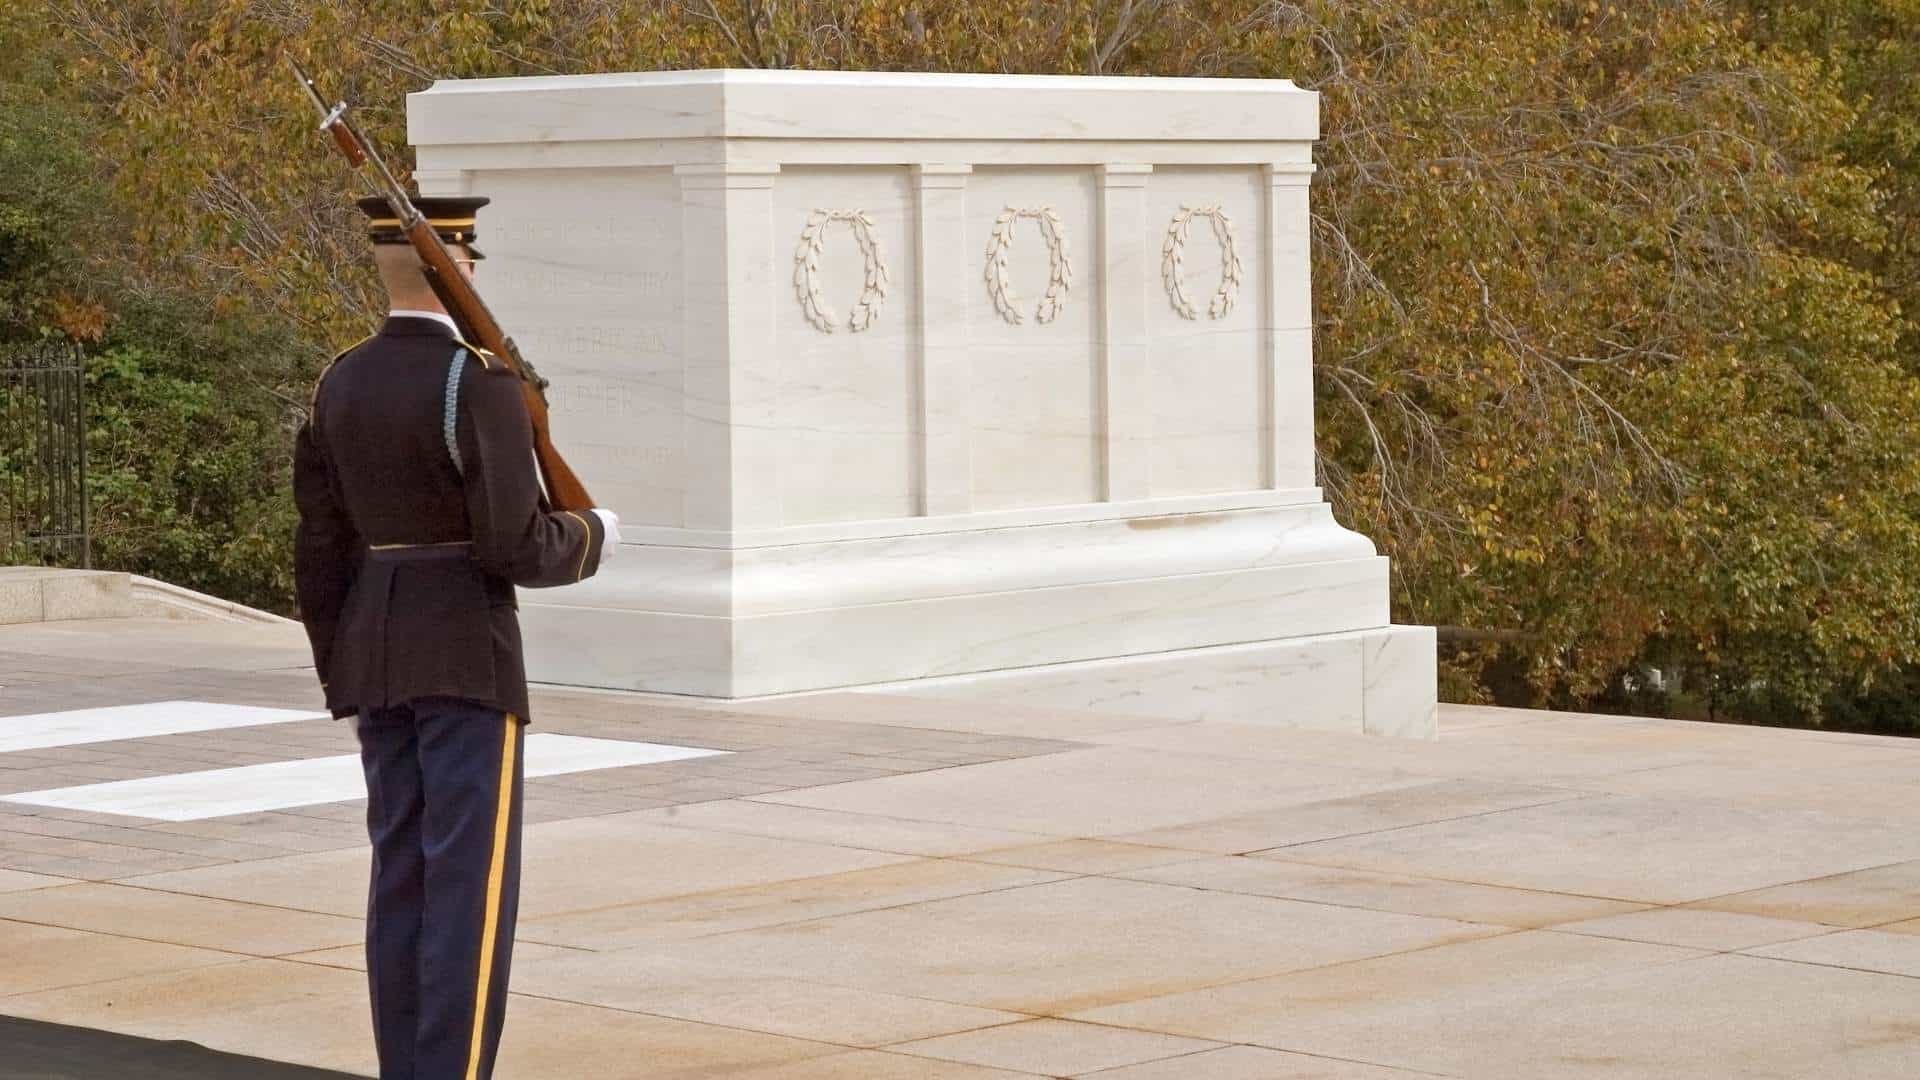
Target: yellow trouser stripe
{"points": [[496, 874]]}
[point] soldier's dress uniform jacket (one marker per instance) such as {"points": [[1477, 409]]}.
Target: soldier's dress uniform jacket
{"points": [[406, 560], [420, 510]]}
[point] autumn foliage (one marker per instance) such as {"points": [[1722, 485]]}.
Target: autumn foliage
{"points": [[1616, 344]]}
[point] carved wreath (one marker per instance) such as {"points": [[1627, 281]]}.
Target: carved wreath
{"points": [[1060, 269], [1173, 258], [806, 271]]}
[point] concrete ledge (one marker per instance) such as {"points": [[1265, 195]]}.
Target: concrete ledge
{"points": [[153, 597], [42, 594], [31, 594]]}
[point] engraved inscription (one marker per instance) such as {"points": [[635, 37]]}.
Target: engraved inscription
{"points": [[597, 232], [575, 341], [619, 459], [524, 278], [591, 397]]}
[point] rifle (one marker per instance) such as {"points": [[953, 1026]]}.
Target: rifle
{"points": [[456, 294]]}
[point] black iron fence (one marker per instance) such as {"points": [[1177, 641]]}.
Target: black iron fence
{"points": [[43, 455]]}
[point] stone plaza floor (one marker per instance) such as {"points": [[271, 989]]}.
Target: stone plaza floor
{"points": [[898, 888]]}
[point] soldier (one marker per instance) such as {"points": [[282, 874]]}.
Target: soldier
{"points": [[420, 510]]}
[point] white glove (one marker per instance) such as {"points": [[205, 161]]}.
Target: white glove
{"points": [[610, 544]]}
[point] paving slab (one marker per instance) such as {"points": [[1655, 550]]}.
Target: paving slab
{"points": [[1846, 789], [176, 919], [274, 1009], [1054, 1047], [19, 881], [703, 914], [1084, 856], [1270, 875], [1602, 735], [290, 832], [1104, 791], [1254, 1063], [1696, 928], [546, 1040], [869, 831], [877, 1065], [679, 984], [1533, 1005], [104, 645], [564, 868], [1351, 815], [1864, 897], [1451, 756], [1862, 950], [1263, 1011], [328, 882], [1066, 945], [1629, 847], [40, 958]]}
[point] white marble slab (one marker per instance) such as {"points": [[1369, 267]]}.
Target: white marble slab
{"points": [[282, 784], [899, 375], [77, 727], [816, 574], [1400, 674], [887, 106], [853, 646], [1207, 382], [605, 326], [1303, 682], [846, 399], [1034, 399]]}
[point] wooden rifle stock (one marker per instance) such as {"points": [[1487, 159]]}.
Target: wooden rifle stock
{"points": [[457, 295], [477, 325]]}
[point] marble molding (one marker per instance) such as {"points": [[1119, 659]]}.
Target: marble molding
{"points": [[958, 381]]}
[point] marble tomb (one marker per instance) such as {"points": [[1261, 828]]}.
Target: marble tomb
{"points": [[975, 386]]}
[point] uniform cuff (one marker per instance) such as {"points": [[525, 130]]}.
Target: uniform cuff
{"points": [[609, 534]]}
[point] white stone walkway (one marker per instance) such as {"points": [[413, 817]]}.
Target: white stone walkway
{"points": [[902, 889]]}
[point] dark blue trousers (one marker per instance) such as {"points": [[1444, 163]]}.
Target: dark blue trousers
{"points": [[443, 812]]}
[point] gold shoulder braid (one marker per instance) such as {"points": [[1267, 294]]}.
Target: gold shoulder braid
{"points": [[487, 359], [313, 400]]}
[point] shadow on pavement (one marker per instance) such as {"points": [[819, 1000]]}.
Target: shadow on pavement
{"points": [[41, 1051]]}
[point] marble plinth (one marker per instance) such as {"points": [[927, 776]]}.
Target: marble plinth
{"points": [[904, 377], [1367, 681]]}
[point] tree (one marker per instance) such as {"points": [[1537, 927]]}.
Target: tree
{"points": [[185, 436], [1612, 352]]}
